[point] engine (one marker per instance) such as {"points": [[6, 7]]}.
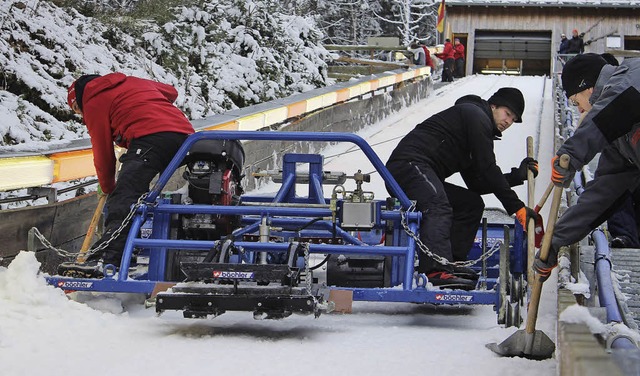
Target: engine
{"points": [[213, 173]]}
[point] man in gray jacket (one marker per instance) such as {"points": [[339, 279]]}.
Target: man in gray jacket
{"points": [[611, 95]]}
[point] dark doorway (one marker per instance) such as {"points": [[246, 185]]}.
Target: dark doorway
{"points": [[512, 52], [632, 42]]}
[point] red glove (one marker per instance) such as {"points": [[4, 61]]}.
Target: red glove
{"points": [[539, 231]]}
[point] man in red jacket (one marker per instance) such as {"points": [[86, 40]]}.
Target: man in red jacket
{"points": [[449, 63], [136, 114], [458, 55]]}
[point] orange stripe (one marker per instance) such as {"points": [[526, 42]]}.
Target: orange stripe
{"points": [[72, 165], [297, 108], [229, 126], [342, 95]]}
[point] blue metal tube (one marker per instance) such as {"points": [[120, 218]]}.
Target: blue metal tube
{"points": [[243, 210], [603, 273], [268, 210], [602, 266], [606, 293], [283, 136], [275, 247]]}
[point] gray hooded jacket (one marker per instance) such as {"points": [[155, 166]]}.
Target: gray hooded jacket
{"points": [[611, 127]]}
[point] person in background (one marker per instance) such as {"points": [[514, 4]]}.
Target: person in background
{"points": [[564, 44], [458, 56], [136, 114], [419, 58], [609, 94], [449, 62], [459, 139], [575, 45], [427, 57]]}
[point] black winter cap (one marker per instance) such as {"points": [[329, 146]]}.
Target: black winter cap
{"points": [[581, 73], [79, 85], [509, 97]]}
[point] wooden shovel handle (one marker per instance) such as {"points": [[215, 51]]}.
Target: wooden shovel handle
{"points": [[92, 228], [536, 291], [544, 197], [531, 235]]}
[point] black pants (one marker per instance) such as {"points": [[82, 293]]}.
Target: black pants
{"points": [[450, 214], [146, 157], [459, 72], [447, 70]]}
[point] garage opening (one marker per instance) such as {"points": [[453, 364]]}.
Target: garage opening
{"points": [[512, 52]]}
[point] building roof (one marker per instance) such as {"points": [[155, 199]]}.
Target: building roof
{"points": [[547, 3]]}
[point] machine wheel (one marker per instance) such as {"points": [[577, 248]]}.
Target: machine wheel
{"points": [[513, 315], [503, 312], [517, 290], [504, 279]]}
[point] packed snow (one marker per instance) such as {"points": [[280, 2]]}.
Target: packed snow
{"points": [[42, 331]]}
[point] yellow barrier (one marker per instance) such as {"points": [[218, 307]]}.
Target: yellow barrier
{"points": [[53, 167]]}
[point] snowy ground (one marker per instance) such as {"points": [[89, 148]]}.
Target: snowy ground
{"points": [[43, 332]]}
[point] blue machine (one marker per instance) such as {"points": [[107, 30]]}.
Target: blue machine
{"points": [[222, 250]]}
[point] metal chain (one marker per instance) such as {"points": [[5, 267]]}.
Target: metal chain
{"points": [[101, 246], [439, 259], [48, 244], [307, 274], [307, 271]]}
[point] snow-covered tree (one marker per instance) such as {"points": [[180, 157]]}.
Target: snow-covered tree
{"points": [[220, 55], [413, 20], [349, 21]]}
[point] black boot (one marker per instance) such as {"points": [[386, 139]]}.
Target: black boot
{"points": [[465, 272], [92, 268], [450, 281], [622, 241]]}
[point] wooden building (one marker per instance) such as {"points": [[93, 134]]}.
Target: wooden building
{"points": [[522, 36]]}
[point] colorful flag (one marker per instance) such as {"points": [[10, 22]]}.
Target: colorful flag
{"points": [[440, 24]]}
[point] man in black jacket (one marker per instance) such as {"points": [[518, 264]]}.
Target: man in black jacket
{"points": [[459, 139], [575, 44]]}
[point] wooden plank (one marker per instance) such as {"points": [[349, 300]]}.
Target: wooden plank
{"points": [[377, 63], [70, 221]]}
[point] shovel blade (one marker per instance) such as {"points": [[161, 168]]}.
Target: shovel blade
{"points": [[536, 345]]}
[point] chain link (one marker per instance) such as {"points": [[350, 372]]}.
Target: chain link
{"points": [[439, 259], [101, 246]]}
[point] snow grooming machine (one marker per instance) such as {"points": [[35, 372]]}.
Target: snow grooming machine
{"points": [[220, 250]]}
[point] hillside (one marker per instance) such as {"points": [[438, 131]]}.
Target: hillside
{"points": [[222, 55]]}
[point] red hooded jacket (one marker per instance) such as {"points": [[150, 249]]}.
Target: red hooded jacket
{"points": [[458, 51], [118, 108], [447, 53]]}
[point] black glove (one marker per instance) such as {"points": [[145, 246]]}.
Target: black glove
{"points": [[560, 176], [527, 164], [544, 268]]}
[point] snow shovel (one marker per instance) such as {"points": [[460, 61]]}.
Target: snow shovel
{"points": [[531, 235], [92, 229], [97, 214], [531, 343]]}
